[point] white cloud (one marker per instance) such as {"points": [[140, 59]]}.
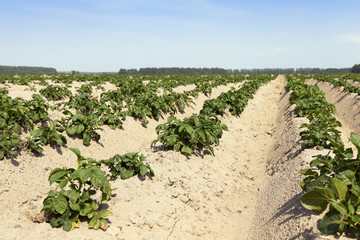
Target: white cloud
{"points": [[280, 50], [272, 51], [348, 38]]}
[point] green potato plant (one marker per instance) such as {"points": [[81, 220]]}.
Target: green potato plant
{"points": [[193, 133], [127, 166], [55, 93], [74, 199], [83, 125], [333, 187]]}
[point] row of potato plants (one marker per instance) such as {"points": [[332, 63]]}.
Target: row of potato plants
{"points": [[201, 131], [66, 206], [330, 185], [84, 115], [79, 204], [74, 200], [339, 81]]}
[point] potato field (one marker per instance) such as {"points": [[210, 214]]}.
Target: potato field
{"points": [[110, 156]]}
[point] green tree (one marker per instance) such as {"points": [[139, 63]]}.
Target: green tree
{"points": [[355, 68]]}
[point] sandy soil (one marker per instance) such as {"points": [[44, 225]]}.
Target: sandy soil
{"points": [[249, 190]]}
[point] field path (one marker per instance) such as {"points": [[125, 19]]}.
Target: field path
{"points": [[248, 142]]}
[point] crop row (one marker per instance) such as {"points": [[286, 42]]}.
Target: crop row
{"points": [[84, 115], [339, 81], [331, 183], [201, 131]]}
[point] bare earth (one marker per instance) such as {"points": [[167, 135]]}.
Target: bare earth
{"points": [[249, 190]]}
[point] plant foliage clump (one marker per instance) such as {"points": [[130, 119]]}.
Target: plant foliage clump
{"points": [[193, 133], [331, 185], [55, 93]]}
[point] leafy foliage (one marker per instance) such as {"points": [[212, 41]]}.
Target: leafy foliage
{"points": [[9, 143], [68, 204], [311, 103], [34, 145], [49, 135], [77, 186], [127, 166], [83, 125], [193, 133], [331, 183], [335, 187], [55, 93]]}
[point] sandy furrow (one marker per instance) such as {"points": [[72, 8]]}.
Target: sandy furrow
{"points": [[347, 104], [249, 141], [279, 213]]}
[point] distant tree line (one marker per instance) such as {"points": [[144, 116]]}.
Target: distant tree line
{"points": [[176, 70], [355, 68], [25, 69]]}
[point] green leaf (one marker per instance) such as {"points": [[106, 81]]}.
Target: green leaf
{"points": [[186, 150], [67, 225], [75, 206], [356, 141], [338, 206], [106, 192], [72, 195], [82, 174], [85, 209], [93, 222], [126, 174], [56, 174], [189, 129], [76, 151], [143, 170], [317, 199], [351, 208], [211, 150], [308, 172], [177, 146], [356, 218], [340, 188], [36, 133], [71, 130], [86, 139], [224, 127], [172, 139], [347, 177], [63, 183], [330, 223], [54, 222], [97, 177], [60, 203], [355, 189], [80, 128]]}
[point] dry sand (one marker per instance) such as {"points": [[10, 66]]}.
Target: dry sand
{"points": [[249, 190]]}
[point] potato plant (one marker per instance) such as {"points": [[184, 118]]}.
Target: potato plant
{"points": [[55, 93], [331, 183], [193, 133], [333, 187], [49, 135], [9, 143], [127, 166], [82, 125], [74, 199], [77, 186]]}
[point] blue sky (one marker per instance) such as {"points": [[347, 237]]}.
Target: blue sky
{"points": [[107, 35]]}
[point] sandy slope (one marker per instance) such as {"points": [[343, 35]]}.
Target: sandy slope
{"points": [[249, 190]]}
